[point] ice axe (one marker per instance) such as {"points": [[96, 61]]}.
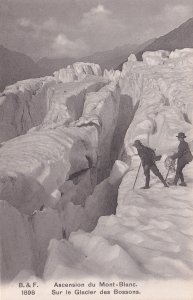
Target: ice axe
{"points": [[137, 175]]}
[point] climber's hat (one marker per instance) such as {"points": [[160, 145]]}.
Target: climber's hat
{"points": [[137, 143], [181, 135]]}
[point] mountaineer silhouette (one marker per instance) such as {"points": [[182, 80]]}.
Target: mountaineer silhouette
{"points": [[148, 159], [183, 156]]}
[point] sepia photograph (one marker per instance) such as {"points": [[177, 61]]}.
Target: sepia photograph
{"points": [[96, 149]]}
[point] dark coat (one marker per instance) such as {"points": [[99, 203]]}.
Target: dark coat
{"points": [[184, 154], [147, 155]]}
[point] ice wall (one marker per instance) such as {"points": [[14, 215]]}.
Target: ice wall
{"points": [[103, 201], [25, 239], [26, 103], [67, 101], [102, 109], [23, 105], [16, 250], [60, 160], [164, 96]]}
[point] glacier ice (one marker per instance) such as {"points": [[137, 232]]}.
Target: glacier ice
{"points": [[67, 169]]}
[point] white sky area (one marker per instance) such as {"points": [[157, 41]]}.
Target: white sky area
{"points": [[76, 28]]}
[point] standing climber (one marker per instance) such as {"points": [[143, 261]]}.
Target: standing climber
{"points": [[148, 159], [183, 156]]}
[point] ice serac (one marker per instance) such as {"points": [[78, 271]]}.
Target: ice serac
{"points": [[26, 103], [22, 191], [164, 97], [60, 160], [113, 75], [87, 68], [101, 110], [23, 105], [77, 71], [49, 153], [155, 58], [181, 53], [66, 101], [48, 157]]}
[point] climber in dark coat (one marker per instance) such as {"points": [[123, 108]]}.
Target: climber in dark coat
{"points": [[148, 159], [183, 156]]}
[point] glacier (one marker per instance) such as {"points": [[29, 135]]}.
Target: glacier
{"points": [[67, 168]]}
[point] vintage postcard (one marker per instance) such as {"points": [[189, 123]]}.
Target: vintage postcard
{"points": [[96, 149]]}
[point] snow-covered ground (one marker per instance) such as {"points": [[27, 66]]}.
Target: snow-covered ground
{"points": [[150, 236], [67, 184]]}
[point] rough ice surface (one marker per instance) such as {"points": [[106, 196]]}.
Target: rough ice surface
{"points": [[112, 74], [181, 53], [25, 104], [66, 177], [67, 102], [163, 95], [156, 57], [77, 71]]}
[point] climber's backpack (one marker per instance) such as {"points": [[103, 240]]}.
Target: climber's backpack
{"points": [[152, 155]]}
